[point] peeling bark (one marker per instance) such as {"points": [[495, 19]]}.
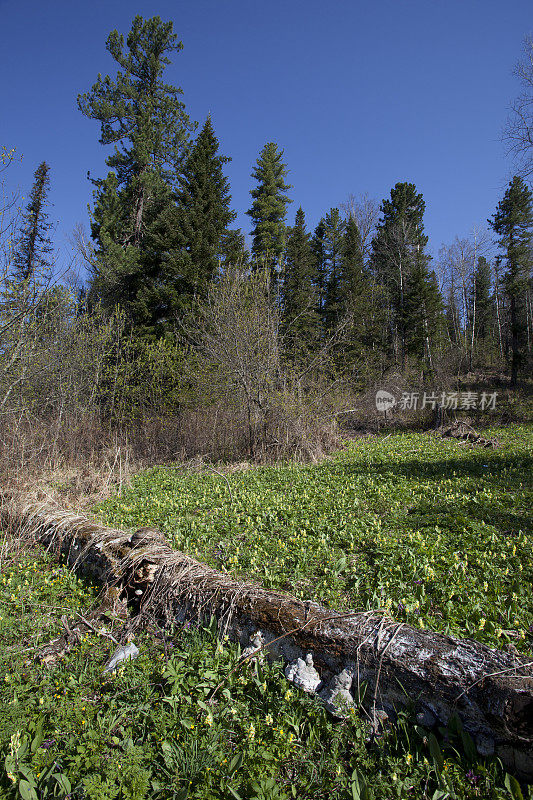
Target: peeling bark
{"points": [[392, 665]]}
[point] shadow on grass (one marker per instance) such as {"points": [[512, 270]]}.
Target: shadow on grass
{"points": [[508, 476]]}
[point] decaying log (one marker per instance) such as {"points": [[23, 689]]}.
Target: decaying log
{"points": [[464, 432], [392, 665]]}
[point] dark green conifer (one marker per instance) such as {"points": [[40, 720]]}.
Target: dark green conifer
{"points": [[513, 223], [203, 213], [397, 252], [352, 275], [483, 305], [334, 227], [422, 314], [269, 208], [233, 248], [144, 120], [320, 266], [31, 259], [452, 316], [300, 318]]}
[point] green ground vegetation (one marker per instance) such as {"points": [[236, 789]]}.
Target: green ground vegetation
{"points": [[148, 731], [431, 523], [436, 531]]}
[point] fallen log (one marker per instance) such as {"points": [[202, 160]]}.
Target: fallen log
{"points": [[464, 432], [391, 665]]}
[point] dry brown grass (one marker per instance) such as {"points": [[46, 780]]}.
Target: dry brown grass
{"points": [[79, 461]]}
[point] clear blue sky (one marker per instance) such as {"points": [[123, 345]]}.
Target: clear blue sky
{"points": [[359, 95]]}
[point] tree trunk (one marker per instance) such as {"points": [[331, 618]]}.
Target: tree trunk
{"points": [[391, 664]]}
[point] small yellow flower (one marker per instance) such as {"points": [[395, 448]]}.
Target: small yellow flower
{"points": [[269, 719], [482, 623]]}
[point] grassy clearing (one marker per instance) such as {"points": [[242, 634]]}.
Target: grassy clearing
{"points": [[147, 732], [437, 532]]}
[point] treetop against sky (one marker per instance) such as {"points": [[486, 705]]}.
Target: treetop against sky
{"points": [[358, 97]]}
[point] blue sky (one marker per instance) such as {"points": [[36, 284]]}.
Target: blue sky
{"points": [[359, 95]]}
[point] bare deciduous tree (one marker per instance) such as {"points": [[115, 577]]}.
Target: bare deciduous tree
{"points": [[518, 131], [365, 211], [458, 262]]}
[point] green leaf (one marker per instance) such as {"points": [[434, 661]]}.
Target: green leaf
{"points": [[63, 782], [358, 787], [235, 764], [38, 738], [469, 746], [513, 787], [436, 752], [27, 791]]}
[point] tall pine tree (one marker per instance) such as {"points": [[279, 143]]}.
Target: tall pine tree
{"points": [[31, 258], [269, 208], [320, 267], [202, 215], [144, 119], [334, 227], [513, 224], [352, 277], [423, 314], [482, 305], [300, 318], [397, 253]]}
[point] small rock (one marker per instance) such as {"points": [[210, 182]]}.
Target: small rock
{"points": [[426, 718], [257, 641], [303, 674], [122, 653], [485, 745], [337, 696], [380, 718]]}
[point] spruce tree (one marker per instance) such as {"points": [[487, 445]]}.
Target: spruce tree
{"points": [[203, 213], [352, 278], [144, 120], [513, 223], [233, 250], [269, 208], [320, 266], [397, 251], [356, 296], [300, 318], [31, 259], [334, 227], [422, 314], [482, 302]]}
